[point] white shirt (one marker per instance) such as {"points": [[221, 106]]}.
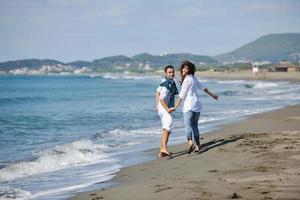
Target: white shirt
{"points": [[190, 94], [165, 94]]}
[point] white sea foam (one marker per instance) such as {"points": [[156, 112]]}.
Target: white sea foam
{"points": [[231, 81], [134, 132], [263, 85], [95, 177], [60, 157], [116, 76], [7, 193]]}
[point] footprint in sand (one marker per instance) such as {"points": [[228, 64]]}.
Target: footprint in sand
{"points": [[162, 188]]}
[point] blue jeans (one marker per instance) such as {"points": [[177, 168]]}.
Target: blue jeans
{"points": [[191, 125]]}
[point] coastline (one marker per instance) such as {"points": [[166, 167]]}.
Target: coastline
{"points": [[248, 75], [230, 75], [254, 158]]}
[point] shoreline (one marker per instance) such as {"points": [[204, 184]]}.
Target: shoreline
{"points": [[252, 158], [248, 75], [236, 75]]}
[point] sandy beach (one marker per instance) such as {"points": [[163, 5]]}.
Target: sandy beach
{"points": [[257, 158]]}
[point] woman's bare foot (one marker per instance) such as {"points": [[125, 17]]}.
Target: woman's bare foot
{"points": [[191, 147]]}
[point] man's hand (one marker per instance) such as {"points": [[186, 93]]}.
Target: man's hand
{"points": [[171, 110]]}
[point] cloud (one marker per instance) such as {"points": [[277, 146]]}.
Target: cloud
{"points": [[265, 7], [190, 12], [115, 10], [65, 2]]}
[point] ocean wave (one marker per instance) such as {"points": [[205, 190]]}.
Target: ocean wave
{"points": [[94, 178], [7, 193], [60, 157], [7, 100], [230, 81], [230, 92], [116, 76], [260, 85], [248, 85], [127, 137], [263, 85]]}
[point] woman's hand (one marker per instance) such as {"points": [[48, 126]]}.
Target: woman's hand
{"points": [[215, 97], [171, 110]]}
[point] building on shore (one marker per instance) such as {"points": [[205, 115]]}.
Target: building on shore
{"points": [[285, 66]]}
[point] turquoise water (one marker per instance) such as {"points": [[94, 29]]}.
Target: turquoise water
{"points": [[62, 134]]}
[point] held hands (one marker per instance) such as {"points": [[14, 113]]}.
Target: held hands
{"points": [[170, 110]]}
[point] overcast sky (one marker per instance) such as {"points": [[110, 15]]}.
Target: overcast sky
{"points": [[69, 30]]}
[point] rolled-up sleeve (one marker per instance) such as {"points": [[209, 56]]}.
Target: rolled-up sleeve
{"points": [[184, 89], [201, 86], [158, 89], [163, 92]]}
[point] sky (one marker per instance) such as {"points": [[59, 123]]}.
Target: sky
{"points": [[71, 30]]}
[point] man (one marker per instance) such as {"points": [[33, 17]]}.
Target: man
{"points": [[165, 98]]}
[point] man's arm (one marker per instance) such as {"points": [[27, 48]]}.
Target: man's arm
{"points": [[157, 99], [163, 103], [163, 93]]}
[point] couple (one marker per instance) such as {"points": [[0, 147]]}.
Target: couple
{"points": [[189, 94]]}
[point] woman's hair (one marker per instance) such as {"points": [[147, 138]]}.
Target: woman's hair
{"points": [[191, 66]]}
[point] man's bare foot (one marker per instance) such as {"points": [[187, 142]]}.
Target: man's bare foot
{"points": [[164, 154]]}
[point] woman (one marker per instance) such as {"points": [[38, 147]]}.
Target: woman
{"points": [[192, 104]]}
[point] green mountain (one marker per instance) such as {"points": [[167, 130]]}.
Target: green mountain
{"points": [[173, 59], [138, 62], [28, 63], [111, 62], [80, 63], [272, 47]]}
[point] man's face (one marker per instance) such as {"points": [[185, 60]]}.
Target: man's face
{"points": [[170, 73]]}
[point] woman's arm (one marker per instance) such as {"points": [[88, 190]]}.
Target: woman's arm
{"points": [[183, 92], [202, 87], [178, 102], [214, 96]]}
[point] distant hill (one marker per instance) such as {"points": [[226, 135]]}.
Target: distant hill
{"points": [[272, 47], [80, 63], [139, 62], [173, 59], [29, 63], [111, 62]]}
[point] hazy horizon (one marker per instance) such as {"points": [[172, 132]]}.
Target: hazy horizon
{"points": [[71, 30]]}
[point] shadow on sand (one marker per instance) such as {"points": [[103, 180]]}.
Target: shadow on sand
{"points": [[209, 145]]}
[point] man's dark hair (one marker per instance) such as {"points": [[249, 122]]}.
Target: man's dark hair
{"points": [[168, 66]]}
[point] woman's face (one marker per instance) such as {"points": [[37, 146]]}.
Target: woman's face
{"points": [[185, 70]]}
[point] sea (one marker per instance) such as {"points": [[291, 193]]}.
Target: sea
{"points": [[64, 134]]}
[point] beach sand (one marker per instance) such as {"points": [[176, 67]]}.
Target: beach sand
{"points": [[257, 158]]}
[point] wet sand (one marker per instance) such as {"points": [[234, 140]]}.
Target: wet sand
{"points": [[257, 158]]}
